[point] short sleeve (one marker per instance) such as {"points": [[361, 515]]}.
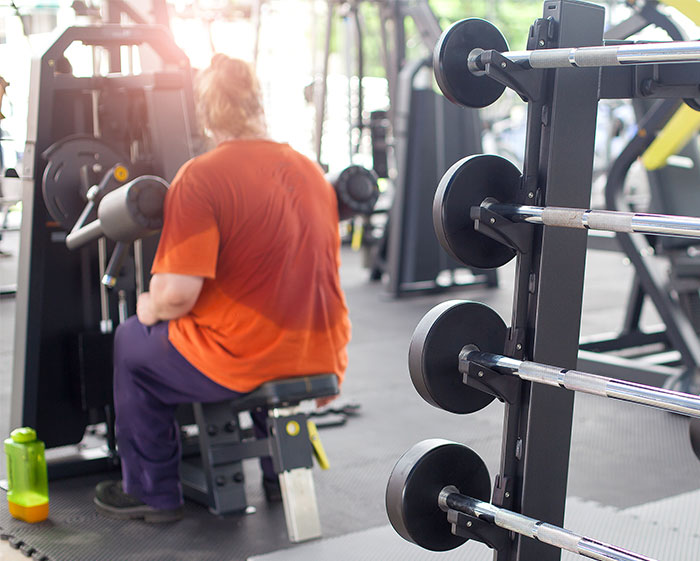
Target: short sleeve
{"points": [[189, 241]]}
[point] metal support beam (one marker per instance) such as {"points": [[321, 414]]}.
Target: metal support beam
{"points": [[564, 174]]}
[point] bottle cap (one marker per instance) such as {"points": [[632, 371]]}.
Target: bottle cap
{"points": [[24, 434]]}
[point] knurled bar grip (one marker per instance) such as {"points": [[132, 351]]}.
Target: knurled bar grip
{"points": [[584, 382], [606, 220], [588, 219], [595, 57], [450, 498], [568, 379]]}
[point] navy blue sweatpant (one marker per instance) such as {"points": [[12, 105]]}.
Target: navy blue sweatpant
{"points": [[150, 379]]}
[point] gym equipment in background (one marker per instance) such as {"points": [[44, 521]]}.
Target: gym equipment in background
{"points": [[414, 141], [669, 355], [80, 128]]}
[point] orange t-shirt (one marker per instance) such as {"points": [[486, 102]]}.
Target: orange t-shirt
{"points": [[259, 222]]}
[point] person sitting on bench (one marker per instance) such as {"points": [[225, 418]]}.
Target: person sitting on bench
{"points": [[245, 289]]}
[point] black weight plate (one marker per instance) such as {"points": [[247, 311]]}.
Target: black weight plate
{"points": [[357, 191], [415, 484], [466, 184], [433, 355], [61, 182], [695, 436], [453, 76]]}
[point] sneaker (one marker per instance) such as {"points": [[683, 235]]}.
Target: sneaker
{"points": [[111, 501], [273, 491]]}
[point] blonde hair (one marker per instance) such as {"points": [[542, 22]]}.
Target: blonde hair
{"points": [[230, 100]]}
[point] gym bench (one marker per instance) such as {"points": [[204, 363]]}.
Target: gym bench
{"points": [[215, 478]]}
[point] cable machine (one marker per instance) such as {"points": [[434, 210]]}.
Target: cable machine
{"points": [[414, 141]]}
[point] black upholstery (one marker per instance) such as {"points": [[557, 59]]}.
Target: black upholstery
{"points": [[288, 391]]}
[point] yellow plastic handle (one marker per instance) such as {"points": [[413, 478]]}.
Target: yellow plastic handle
{"points": [[673, 137], [317, 446], [357, 235]]}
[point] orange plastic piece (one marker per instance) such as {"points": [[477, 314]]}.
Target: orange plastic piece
{"points": [[29, 514]]}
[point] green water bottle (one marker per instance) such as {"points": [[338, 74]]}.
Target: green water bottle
{"points": [[28, 487]]}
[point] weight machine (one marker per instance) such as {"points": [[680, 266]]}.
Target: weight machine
{"points": [[487, 212], [100, 154], [671, 354], [88, 135], [415, 140]]}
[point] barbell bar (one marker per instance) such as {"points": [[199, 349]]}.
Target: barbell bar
{"points": [[436, 479], [584, 382], [455, 334], [595, 57], [492, 183], [462, 54], [451, 498], [605, 220]]}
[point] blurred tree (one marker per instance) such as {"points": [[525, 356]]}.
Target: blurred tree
{"points": [[512, 17]]}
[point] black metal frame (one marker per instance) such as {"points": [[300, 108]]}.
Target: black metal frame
{"points": [[429, 135], [547, 305], [60, 345], [425, 129], [211, 470]]}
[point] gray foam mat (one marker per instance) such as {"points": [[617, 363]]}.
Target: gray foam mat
{"points": [[75, 532], [679, 513], [587, 518], [375, 544]]}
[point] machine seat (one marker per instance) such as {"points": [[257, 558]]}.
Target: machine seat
{"points": [[288, 391]]}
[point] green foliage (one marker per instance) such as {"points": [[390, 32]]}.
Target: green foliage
{"points": [[372, 40], [512, 17]]}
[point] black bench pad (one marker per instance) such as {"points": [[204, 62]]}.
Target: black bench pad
{"points": [[288, 391]]}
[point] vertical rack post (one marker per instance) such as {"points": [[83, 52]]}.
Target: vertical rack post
{"points": [[555, 278]]}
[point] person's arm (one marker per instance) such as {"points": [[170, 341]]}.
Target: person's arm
{"points": [[171, 296]]}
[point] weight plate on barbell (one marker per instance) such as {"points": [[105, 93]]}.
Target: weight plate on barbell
{"points": [[64, 194], [415, 484], [465, 185], [433, 355], [456, 81]]}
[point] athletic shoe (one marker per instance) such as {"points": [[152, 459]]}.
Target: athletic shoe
{"points": [[111, 501]]}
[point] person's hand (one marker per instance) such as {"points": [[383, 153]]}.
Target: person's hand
{"points": [[323, 401], [144, 309]]}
